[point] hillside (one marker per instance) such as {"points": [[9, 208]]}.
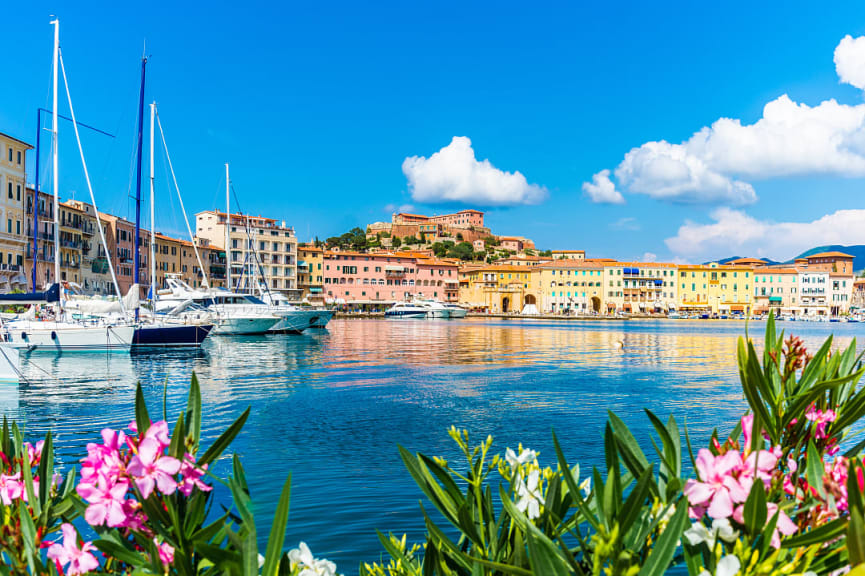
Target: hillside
{"points": [[857, 251]]}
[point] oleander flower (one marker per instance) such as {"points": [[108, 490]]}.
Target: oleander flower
{"points": [[80, 560], [106, 502], [151, 468], [529, 493], [11, 488], [727, 566], [34, 453], [821, 418], [784, 525], [301, 558], [721, 529], [718, 489], [524, 457], [166, 552], [191, 474]]}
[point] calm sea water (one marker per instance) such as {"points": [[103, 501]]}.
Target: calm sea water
{"points": [[331, 406]]}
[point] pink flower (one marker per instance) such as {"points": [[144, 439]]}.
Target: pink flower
{"points": [[150, 468], [757, 465], [11, 488], [105, 458], [191, 475], [80, 560], [34, 453], [106, 502], [718, 489], [784, 526], [166, 552], [159, 432], [821, 418], [747, 424]]}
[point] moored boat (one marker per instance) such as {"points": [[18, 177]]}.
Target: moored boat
{"points": [[405, 310]]}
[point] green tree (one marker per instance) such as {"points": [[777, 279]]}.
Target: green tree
{"points": [[463, 251], [396, 242]]}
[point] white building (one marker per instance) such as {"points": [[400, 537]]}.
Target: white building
{"points": [[815, 292]]}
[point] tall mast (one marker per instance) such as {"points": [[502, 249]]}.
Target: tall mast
{"points": [[152, 217], [36, 203], [136, 256], [227, 230], [56, 184]]}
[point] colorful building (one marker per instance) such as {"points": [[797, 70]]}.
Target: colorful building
{"points": [[715, 289], [569, 254], [13, 242], [640, 287], [254, 241], [777, 289], [375, 281], [814, 292], [572, 287], [310, 272], [499, 288]]}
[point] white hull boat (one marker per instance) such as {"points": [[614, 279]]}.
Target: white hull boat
{"points": [[405, 311], [10, 370], [456, 311], [244, 324], [67, 336]]}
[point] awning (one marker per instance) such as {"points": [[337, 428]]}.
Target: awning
{"points": [[737, 308], [641, 305], [774, 298], [394, 269], [315, 290], [301, 263]]}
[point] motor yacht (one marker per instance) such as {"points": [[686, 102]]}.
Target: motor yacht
{"points": [[293, 318], [455, 310], [405, 310], [434, 308]]}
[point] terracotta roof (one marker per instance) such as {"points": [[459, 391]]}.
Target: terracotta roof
{"points": [[756, 261], [555, 264], [413, 215], [774, 270], [568, 251], [647, 264], [834, 254]]}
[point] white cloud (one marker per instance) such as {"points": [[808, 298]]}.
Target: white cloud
{"points": [[453, 174], [628, 223], [601, 189], [850, 61], [734, 232], [649, 257], [790, 139]]}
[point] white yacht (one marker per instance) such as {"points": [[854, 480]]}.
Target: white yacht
{"points": [[455, 310], [434, 308], [403, 310], [234, 313], [295, 318]]}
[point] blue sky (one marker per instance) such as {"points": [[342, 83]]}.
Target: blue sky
{"points": [[317, 107]]}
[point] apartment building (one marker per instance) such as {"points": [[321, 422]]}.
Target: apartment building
{"points": [[777, 289], [377, 280], [13, 243], [310, 272], [569, 254], [257, 246], [571, 287], [499, 288], [640, 287], [814, 292], [714, 288], [95, 274]]}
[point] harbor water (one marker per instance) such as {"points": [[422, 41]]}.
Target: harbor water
{"points": [[331, 406]]}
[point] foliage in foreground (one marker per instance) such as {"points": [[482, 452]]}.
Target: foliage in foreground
{"points": [[774, 496]]}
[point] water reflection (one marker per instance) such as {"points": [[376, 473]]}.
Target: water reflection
{"points": [[331, 406]]}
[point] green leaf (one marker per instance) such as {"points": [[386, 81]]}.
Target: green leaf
{"points": [[755, 509], [825, 533], [662, 553], [814, 469], [142, 418], [46, 470], [193, 410], [276, 541], [28, 533], [120, 552], [636, 499], [544, 556], [221, 443]]}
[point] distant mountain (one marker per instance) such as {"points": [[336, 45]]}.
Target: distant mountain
{"points": [[731, 258], [857, 251]]}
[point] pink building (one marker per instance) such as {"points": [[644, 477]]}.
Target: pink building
{"points": [[375, 281]]}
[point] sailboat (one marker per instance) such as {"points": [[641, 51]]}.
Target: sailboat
{"points": [[53, 332], [150, 332]]}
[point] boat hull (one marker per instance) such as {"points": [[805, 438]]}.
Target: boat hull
{"points": [[245, 326], [405, 314], [62, 337], [164, 336], [9, 364], [457, 312], [438, 313]]}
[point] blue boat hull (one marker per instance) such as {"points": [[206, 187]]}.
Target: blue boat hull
{"points": [[170, 336]]}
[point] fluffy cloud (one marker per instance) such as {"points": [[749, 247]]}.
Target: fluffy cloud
{"points": [[601, 189], [734, 232], [453, 174], [790, 139], [391, 208], [850, 61], [649, 257]]}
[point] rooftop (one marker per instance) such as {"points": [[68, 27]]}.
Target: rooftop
{"points": [[22, 142], [833, 254]]}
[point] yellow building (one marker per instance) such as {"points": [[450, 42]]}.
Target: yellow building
{"points": [[715, 289], [168, 251], [499, 289], [310, 278], [640, 287], [571, 286], [13, 172]]}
